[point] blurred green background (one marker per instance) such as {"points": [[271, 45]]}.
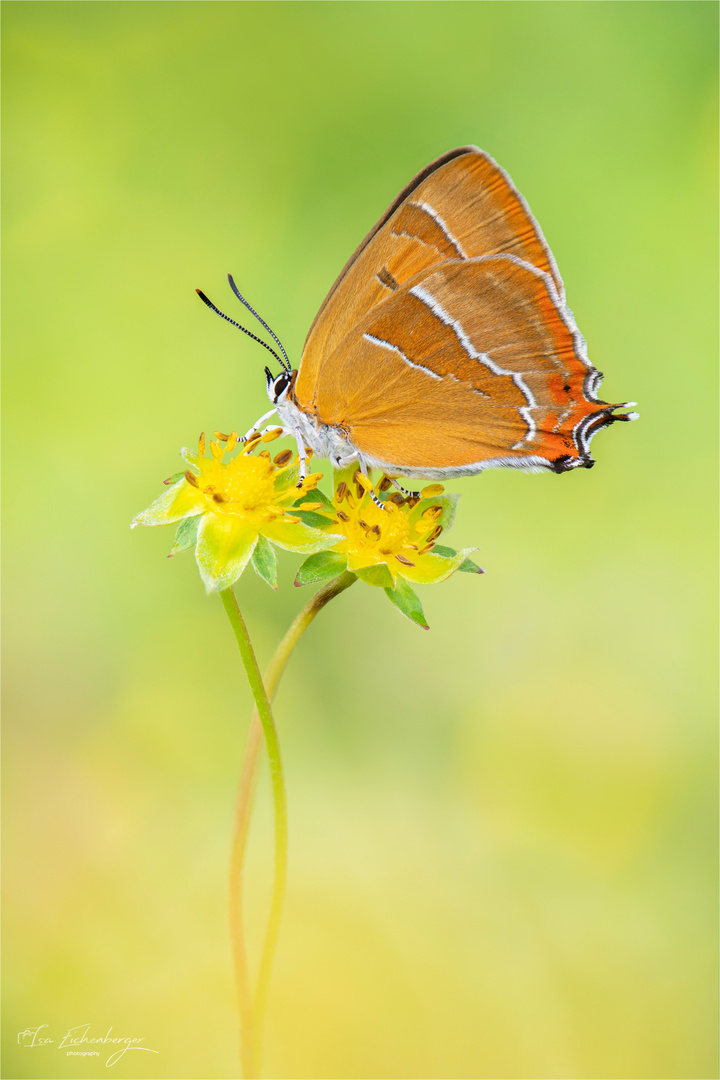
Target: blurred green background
{"points": [[502, 831]]}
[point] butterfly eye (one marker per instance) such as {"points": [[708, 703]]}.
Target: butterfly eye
{"points": [[281, 384]]}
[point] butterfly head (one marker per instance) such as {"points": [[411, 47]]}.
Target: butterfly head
{"points": [[278, 386]]}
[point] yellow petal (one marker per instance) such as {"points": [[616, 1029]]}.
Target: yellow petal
{"points": [[224, 547], [430, 569], [297, 536], [179, 501]]}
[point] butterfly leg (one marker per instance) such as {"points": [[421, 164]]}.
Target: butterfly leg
{"points": [[256, 426], [302, 454], [406, 493], [371, 492]]}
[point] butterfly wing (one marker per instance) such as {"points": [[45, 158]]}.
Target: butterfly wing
{"points": [[460, 207], [472, 364]]}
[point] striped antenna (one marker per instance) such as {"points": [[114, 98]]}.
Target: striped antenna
{"points": [[262, 322], [244, 329]]}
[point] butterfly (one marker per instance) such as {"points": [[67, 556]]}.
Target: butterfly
{"points": [[446, 346]]}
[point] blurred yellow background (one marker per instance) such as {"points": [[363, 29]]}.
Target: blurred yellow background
{"points": [[502, 831]]}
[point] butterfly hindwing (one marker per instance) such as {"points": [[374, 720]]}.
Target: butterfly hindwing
{"points": [[471, 364]]}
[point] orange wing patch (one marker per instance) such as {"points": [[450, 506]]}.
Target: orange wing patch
{"points": [[462, 206], [474, 363]]}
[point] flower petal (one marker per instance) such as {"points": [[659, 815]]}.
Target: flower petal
{"points": [[296, 536], [448, 504], [224, 548], [287, 478], [179, 501], [431, 568]]}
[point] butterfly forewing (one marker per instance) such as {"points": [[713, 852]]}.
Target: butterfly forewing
{"points": [[461, 207]]}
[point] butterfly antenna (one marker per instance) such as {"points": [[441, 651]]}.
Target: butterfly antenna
{"points": [[262, 322], [244, 329]]}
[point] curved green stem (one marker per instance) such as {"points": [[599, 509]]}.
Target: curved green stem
{"points": [[251, 1018], [248, 1015]]}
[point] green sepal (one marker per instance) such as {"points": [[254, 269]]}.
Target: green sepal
{"points": [[185, 534], [376, 575], [322, 565], [467, 567], [408, 602], [311, 517], [174, 478], [264, 561], [316, 495]]}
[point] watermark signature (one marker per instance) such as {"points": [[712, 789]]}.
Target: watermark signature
{"points": [[79, 1042]]}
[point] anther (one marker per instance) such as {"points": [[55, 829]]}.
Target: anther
{"points": [[385, 484], [218, 498], [363, 524], [309, 506], [432, 512], [428, 547], [216, 449], [220, 437], [201, 444], [341, 491], [362, 481], [191, 478], [432, 490], [404, 561], [435, 533], [376, 530], [264, 454], [232, 441], [269, 436], [342, 516], [283, 458], [397, 499]]}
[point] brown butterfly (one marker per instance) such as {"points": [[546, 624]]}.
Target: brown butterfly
{"points": [[445, 346]]}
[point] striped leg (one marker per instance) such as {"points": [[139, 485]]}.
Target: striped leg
{"points": [[406, 493]]}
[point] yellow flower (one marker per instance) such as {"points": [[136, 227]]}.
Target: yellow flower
{"points": [[392, 545], [233, 511]]}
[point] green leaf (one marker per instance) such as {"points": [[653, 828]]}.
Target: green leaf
{"points": [[174, 478], [408, 602], [376, 575], [185, 535], [264, 561], [322, 565]]}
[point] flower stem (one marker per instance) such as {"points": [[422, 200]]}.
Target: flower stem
{"points": [[251, 1019], [248, 1015]]}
